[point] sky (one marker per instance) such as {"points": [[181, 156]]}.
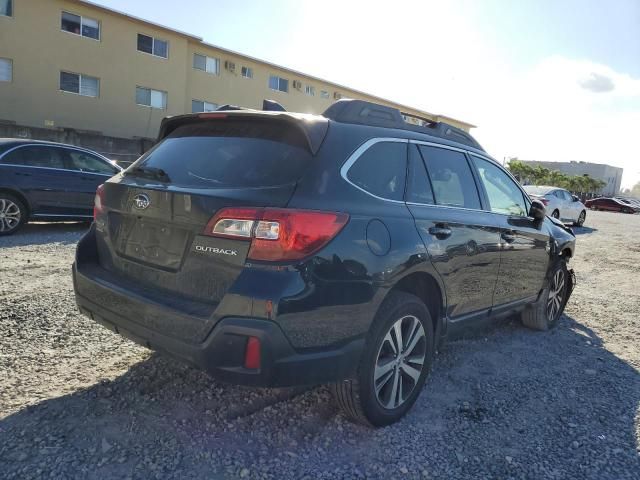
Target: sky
{"points": [[552, 80]]}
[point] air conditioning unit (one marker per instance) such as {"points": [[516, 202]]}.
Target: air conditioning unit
{"points": [[297, 84], [337, 95], [230, 66]]}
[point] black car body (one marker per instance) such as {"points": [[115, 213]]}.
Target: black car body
{"points": [[170, 264], [49, 181]]}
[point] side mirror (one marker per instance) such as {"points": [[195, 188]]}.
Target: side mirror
{"points": [[537, 210], [575, 198]]}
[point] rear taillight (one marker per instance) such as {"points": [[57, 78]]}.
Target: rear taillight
{"points": [[252, 353], [277, 234], [98, 202], [544, 201]]}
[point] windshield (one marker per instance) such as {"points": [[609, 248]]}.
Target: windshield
{"points": [[230, 154]]}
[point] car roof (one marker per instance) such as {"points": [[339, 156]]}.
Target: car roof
{"points": [[9, 143], [542, 187]]}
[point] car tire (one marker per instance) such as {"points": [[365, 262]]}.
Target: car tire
{"points": [[376, 396], [13, 214], [542, 315], [581, 218], [556, 214]]}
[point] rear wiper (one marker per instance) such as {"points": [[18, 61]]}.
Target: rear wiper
{"points": [[152, 172]]}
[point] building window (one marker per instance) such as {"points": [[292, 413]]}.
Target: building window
{"points": [[79, 84], [198, 106], [151, 98], [6, 8], [6, 70], [324, 94], [153, 46], [87, 27], [310, 90], [247, 72], [206, 64], [277, 83]]}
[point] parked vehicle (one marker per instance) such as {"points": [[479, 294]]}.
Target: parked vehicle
{"points": [[559, 203], [611, 205], [48, 181], [278, 249], [634, 202]]}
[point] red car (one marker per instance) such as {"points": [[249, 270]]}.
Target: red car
{"points": [[611, 205]]}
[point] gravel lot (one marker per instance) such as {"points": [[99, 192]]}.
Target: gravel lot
{"points": [[77, 401]]}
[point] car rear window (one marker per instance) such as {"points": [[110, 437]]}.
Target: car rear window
{"points": [[230, 154]]}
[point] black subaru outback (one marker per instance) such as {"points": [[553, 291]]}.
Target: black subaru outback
{"points": [[279, 249]]}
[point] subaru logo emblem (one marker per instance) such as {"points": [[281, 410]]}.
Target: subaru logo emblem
{"points": [[141, 201]]}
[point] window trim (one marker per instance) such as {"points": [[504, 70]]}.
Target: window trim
{"points": [[153, 43], [10, 60], [525, 196], [353, 158], [12, 11], [67, 147], [218, 63], [166, 98], [279, 78], [80, 75], [99, 39], [310, 90], [203, 102], [249, 69]]}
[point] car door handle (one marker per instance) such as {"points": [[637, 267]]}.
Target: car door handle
{"points": [[22, 174], [508, 237], [440, 231]]}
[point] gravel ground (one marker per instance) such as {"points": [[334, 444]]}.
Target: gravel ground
{"points": [[79, 401]]}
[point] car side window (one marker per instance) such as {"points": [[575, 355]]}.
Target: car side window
{"points": [[418, 185], [504, 195], [451, 178], [86, 162], [36, 156], [381, 170]]}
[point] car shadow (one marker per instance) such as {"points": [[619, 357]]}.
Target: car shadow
{"points": [[40, 233], [583, 230], [496, 404]]}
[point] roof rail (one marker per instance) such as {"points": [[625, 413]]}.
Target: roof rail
{"points": [[368, 113]]}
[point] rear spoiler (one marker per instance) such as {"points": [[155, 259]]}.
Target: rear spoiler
{"points": [[313, 127]]}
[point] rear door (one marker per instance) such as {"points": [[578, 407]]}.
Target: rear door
{"points": [[524, 242], [462, 240], [40, 172], [86, 172]]}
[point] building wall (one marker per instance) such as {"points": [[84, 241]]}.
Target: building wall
{"points": [[40, 49], [607, 173]]}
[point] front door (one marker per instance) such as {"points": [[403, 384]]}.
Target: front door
{"points": [[524, 241], [461, 239]]}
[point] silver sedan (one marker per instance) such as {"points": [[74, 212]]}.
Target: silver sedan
{"points": [[559, 203]]}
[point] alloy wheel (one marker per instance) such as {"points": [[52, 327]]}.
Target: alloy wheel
{"points": [[581, 218], [399, 362], [555, 214], [9, 215], [556, 295]]}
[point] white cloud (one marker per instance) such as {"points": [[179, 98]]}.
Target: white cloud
{"points": [[545, 114], [436, 59]]}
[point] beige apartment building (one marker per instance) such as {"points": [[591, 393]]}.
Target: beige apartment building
{"points": [[71, 64]]}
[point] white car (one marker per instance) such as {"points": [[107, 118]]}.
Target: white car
{"points": [[559, 203]]}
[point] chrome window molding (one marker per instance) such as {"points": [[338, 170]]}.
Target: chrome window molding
{"points": [[344, 170], [77, 149], [525, 195], [366, 145]]}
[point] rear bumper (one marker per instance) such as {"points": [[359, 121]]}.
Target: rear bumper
{"points": [[223, 350]]}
